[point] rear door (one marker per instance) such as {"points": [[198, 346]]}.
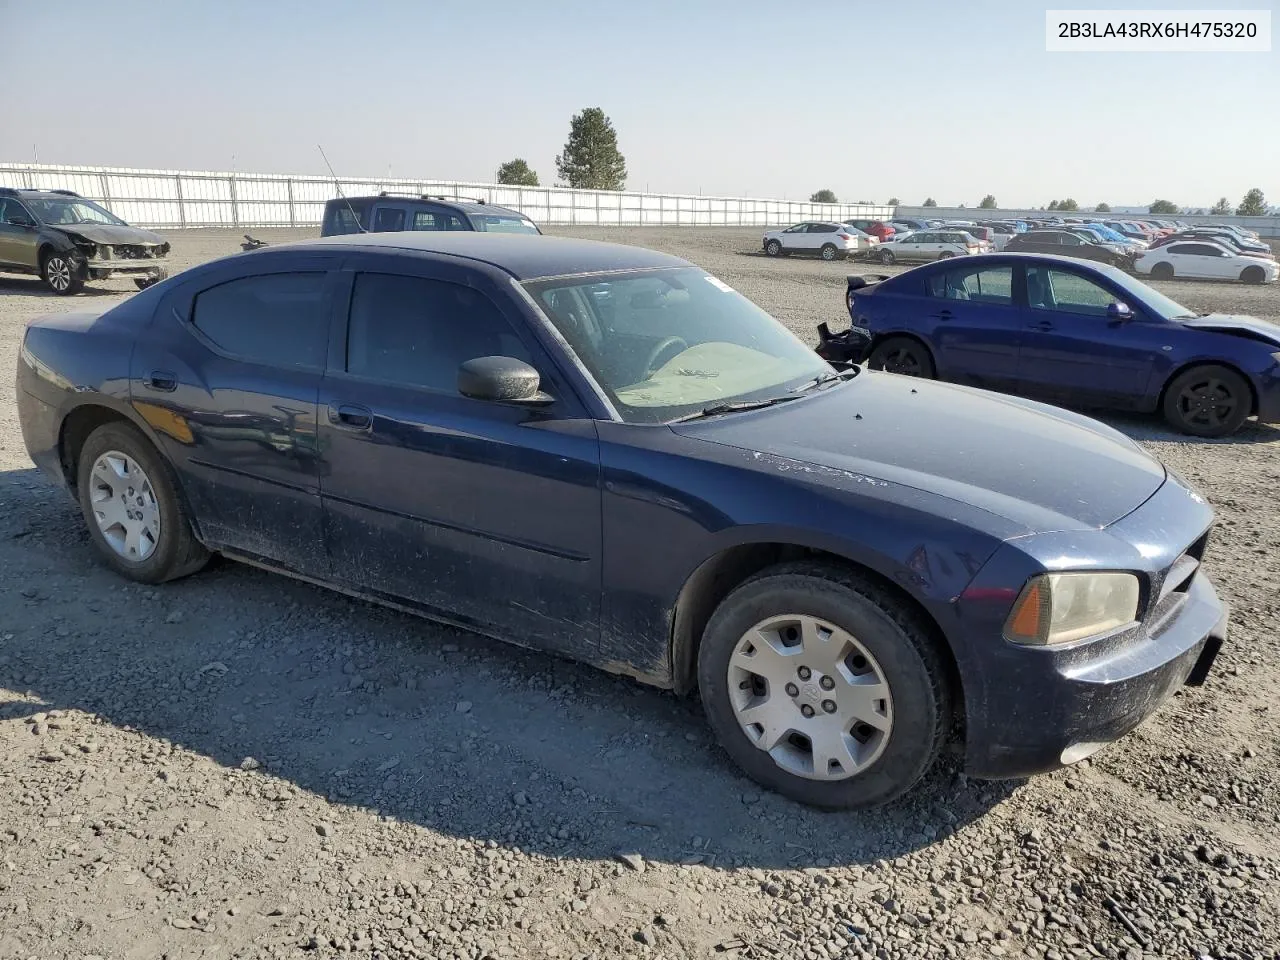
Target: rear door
{"points": [[227, 376], [484, 513], [1071, 351], [977, 323]]}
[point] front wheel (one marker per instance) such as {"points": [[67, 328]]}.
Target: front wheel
{"points": [[142, 283], [1252, 275], [129, 498], [1162, 271], [903, 355], [823, 687], [1207, 401], [773, 248], [60, 274], [885, 256]]}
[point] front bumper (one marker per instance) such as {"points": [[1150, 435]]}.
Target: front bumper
{"points": [[100, 269], [1035, 709], [1267, 386]]}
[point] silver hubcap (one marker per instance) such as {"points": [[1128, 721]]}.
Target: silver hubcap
{"points": [[811, 696], [124, 506], [59, 272]]}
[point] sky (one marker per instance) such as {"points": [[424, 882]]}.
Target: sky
{"points": [[950, 99]]}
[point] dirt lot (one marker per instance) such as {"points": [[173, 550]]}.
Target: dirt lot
{"points": [[237, 765]]}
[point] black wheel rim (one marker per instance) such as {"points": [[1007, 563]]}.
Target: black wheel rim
{"points": [[1207, 403], [903, 360]]}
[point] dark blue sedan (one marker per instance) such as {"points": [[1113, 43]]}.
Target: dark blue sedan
{"points": [[606, 453], [1068, 332]]}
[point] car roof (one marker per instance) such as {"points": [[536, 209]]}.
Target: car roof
{"points": [[454, 203], [524, 256]]}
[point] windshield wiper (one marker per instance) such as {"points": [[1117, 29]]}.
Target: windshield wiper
{"points": [[825, 378], [734, 406]]}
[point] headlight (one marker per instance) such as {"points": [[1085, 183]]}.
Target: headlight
{"points": [[85, 246], [1062, 607]]}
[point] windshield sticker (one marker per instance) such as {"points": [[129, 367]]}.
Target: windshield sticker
{"points": [[719, 284]]}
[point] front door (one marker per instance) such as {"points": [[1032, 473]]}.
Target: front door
{"points": [[484, 513], [227, 378], [1072, 352]]}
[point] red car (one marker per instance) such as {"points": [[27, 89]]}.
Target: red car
{"points": [[877, 228]]}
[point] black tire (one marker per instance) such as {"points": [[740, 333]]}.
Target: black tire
{"points": [[904, 355], [773, 248], [1162, 271], [945, 255], [885, 256], [902, 646], [1207, 401], [61, 274], [1252, 275], [143, 282], [828, 251], [177, 552]]}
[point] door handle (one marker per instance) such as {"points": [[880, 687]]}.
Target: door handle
{"points": [[942, 315], [1040, 325], [353, 416], [161, 380]]}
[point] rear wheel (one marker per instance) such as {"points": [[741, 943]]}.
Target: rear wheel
{"points": [[885, 256], [945, 255], [902, 355], [1207, 401], [1252, 275], [60, 274], [129, 498], [828, 251], [823, 686], [1162, 271], [773, 248]]}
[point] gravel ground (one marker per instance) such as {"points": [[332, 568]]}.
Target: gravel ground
{"points": [[237, 765]]}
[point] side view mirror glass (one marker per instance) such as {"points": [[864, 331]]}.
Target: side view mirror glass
{"points": [[502, 380], [1118, 311]]}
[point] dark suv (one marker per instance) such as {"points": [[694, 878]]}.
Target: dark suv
{"points": [[67, 240], [390, 212]]}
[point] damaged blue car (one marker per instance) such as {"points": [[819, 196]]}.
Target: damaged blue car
{"points": [[609, 454]]}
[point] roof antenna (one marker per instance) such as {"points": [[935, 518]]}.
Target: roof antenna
{"points": [[337, 186]]}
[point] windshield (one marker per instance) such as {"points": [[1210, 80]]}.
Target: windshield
{"points": [[493, 224], [666, 343], [1152, 299], [58, 210]]}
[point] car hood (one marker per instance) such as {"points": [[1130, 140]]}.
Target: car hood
{"points": [[108, 233], [1250, 327], [1040, 467]]}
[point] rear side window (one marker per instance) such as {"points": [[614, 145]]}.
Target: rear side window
{"points": [[426, 220], [983, 284], [388, 219], [277, 319], [418, 332]]}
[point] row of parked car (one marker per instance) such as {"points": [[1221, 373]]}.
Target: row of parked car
{"points": [[1160, 248]]}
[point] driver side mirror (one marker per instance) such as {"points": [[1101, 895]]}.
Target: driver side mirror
{"points": [[1119, 311], [501, 380]]}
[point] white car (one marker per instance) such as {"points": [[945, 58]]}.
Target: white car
{"points": [[830, 241], [1202, 259], [928, 245]]}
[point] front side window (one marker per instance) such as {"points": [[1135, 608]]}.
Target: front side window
{"points": [[493, 223], [276, 319], [665, 343], [65, 210], [1067, 292], [418, 332]]}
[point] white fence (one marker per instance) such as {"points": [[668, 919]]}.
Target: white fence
{"points": [[1262, 226], [183, 198]]}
